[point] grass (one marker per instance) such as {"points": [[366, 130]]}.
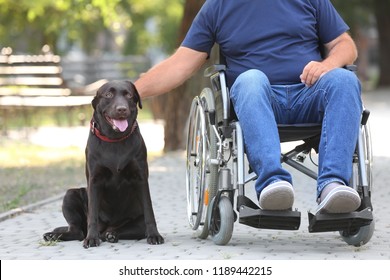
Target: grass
{"points": [[30, 173], [49, 243]]}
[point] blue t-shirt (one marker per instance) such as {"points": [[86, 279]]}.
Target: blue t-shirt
{"points": [[278, 37]]}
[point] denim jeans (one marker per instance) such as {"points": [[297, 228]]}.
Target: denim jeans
{"points": [[334, 100]]}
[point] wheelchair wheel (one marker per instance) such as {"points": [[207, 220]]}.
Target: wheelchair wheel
{"points": [[362, 235], [202, 176], [359, 237], [222, 222]]}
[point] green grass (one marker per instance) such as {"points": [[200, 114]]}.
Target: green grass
{"points": [[30, 173], [49, 243]]}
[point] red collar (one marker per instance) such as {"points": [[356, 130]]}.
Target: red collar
{"points": [[99, 135]]}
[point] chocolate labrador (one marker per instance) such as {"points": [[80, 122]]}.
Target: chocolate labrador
{"points": [[116, 203]]}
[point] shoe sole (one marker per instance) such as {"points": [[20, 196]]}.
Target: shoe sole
{"points": [[277, 196], [340, 200]]}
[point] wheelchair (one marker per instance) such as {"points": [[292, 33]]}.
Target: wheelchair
{"points": [[216, 175]]}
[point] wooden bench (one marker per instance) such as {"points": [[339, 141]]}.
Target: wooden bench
{"points": [[31, 82], [36, 81]]}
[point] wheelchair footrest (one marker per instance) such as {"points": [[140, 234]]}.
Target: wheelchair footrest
{"points": [[282, 220], [339, 222]]}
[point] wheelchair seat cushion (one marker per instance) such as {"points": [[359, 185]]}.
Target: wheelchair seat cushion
{"points": [[296, 132]]}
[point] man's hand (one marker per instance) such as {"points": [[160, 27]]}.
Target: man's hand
{"points": [[340, 52], [313, 71]]}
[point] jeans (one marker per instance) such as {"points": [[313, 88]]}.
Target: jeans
{"points": [[334, 100]]}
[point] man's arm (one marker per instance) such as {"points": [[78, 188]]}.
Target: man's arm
{"points": [[170, 73], [341, 51]]}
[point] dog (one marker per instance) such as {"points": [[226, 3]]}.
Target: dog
{"points": [[116, 203]]}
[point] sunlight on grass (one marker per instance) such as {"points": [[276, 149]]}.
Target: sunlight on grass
{"points": [[30, 173], [21, 154]]}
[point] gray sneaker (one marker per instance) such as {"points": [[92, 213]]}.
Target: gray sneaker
{"points": [[277, 196], [337, 198]]}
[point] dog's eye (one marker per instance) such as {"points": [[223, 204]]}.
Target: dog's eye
{"points": [[108, 94], [128, 95]]}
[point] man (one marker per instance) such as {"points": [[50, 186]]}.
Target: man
{"points": [[276, 74]]}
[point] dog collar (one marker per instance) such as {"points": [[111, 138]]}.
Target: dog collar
{"points": [[98, 134]]}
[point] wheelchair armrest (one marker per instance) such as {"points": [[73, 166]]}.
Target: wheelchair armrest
{"points": [[365, 115], [351, 67], [214, 69]]}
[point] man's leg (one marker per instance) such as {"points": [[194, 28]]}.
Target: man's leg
{"points": [[335, 100], [252, 99]]}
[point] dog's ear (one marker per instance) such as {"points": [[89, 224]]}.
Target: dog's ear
{"points": [[137, 98], [95, 100]]}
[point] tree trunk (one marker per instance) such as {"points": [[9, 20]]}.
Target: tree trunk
{"points": [[382, 8], [174, 107]]}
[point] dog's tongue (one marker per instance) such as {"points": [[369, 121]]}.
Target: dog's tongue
{"points": [[120, 124]]}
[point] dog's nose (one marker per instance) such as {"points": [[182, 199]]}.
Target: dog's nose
{"points": [[121, 109]]}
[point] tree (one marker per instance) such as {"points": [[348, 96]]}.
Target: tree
{"points": [[358, 13], [382, 8], [28, 25], [153, 23], [174, 107]]}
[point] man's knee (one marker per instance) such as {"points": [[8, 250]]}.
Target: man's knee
{"points": [[250, 84], [342, 84], [252, 77], [342, 78], [343, 91]]}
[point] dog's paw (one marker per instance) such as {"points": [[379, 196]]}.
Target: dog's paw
{"points": [[51, 236], [91, 242], [111, 237], [155, 239]]}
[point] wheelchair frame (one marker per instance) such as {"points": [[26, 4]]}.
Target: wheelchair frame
{"points": [[216, 169]]}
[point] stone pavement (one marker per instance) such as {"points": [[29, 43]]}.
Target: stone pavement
{"points": [[21, 235]]}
